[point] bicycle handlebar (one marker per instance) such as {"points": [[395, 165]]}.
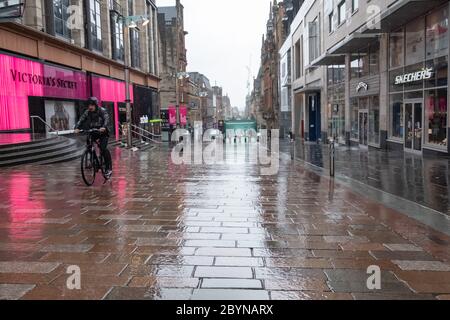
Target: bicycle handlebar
{"points": [[90, 131]]}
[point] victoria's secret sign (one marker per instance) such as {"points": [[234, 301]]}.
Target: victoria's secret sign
{"points": [[42, 80]]}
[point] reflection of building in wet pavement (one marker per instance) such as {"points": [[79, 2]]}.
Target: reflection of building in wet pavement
{"points": [[421, 179], [166, 231]]}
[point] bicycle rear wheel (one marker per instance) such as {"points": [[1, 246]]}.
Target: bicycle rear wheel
{"points": [[88, 169]]}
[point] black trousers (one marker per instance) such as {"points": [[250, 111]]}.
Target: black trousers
{"points": [[104, 139]]}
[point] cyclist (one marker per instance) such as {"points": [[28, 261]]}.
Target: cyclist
{"points": [[96, 117]]}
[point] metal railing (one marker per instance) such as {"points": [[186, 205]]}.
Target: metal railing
{"points": [[139, 133], [45, 123], [146, 131], [144, 137]]}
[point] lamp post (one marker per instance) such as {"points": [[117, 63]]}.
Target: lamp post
{"points": [[130, 22]]}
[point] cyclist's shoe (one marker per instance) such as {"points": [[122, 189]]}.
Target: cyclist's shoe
{"points": [[108, 174]]}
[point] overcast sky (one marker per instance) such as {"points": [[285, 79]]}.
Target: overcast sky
{"points": [[223, 35]]}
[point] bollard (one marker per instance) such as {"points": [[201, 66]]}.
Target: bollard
{"points": [[332, 158]]}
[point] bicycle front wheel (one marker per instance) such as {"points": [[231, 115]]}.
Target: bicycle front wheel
{"points": [[88, 168]]}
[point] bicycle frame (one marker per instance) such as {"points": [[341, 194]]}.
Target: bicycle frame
{"points": [[94, 149]]}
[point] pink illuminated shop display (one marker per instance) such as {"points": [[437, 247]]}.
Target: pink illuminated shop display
{"points": [[56, 94]]}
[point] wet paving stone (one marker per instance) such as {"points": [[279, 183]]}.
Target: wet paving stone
{"points": [[14, 291], [403, 247], [229, 294], [224, 272], [422, 265], [160, 231], [229, 252], [67, 248], [128, 293], [232, 284], [27, 267]]}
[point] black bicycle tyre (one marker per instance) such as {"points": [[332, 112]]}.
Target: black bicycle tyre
{"points": [[89, 183]]}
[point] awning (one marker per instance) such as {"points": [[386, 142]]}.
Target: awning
{"points": [[308, 89], [327, 59], [400, 13], [353, 43]]}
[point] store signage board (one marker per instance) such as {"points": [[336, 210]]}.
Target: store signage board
{"points": [[420, 75]]}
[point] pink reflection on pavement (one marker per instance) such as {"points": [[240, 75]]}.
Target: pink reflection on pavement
{"points": [[23, 207]]}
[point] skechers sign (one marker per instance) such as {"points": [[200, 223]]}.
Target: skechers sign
{"points": [[414, 76]]}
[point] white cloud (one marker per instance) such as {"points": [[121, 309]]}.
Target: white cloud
{"points": [[223, 34]]}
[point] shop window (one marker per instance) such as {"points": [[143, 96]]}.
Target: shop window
{"points": [[354, 114], [117, 36], [413, 95], [437, 36], [341, 12], [298, 64], [61, 16], [364, 65], [314, 39], [135, 49], [374, 60], [415, 41], [374, 120], [330, 22], [95, 25], [330, 75], [396, 49], [393, 86], [436, 117], [439, 72], [397, 123], [355, 67], [336, 74], [355, 5]]}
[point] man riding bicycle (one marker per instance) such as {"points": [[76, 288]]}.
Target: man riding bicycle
{"points": [[96, 117]]}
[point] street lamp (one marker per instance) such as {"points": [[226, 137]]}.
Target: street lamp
{"points": [[130, 22]]}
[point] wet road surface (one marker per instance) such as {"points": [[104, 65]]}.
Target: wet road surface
{"points": [[423, 179], [161, 231]]}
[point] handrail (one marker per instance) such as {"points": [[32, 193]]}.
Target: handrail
{"points": [[43, 121], [152, 134], [145, 137]]}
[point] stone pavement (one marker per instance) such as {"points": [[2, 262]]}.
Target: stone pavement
{"points": [[161, 231], [421, 179]]}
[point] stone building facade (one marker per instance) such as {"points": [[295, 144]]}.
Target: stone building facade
{"points": [[86, 41], [173, 61]]}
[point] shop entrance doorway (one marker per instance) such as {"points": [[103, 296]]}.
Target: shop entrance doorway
{"points": [[363, 128], [413, 125]]}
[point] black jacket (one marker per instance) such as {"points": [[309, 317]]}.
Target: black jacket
{"points": [[95, 120]]}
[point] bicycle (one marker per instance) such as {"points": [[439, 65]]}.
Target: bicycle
{"points": [[92, 160]]}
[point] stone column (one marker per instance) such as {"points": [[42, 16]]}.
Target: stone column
{"points": [[106, 29], [78, 35], [347, 99], [156, 43], [384, 90], [140, 8], [324, 106], [33, 14]]}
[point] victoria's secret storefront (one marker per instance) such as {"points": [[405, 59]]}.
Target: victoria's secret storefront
{"points": [[418, 84], [57, 95]]}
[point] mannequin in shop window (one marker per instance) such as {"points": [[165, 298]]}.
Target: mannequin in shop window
{"points": [[60, 120]]}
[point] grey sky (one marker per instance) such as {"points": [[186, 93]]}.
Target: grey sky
{"points": [[223, 34]]}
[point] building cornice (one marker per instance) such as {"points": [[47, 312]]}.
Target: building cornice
{"points": [[65, 46]]}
